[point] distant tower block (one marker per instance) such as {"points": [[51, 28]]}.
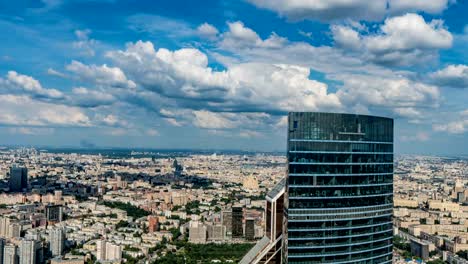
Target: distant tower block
{"points": [[18, 179]]}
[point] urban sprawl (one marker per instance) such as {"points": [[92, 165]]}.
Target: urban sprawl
{"points": [[187, 207]]}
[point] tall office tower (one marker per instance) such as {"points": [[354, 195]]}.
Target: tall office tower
{"points": [[339, 191], [27, 251], [18, 179], [10, 254], [237, 216], [57, 241], [54, 213]]}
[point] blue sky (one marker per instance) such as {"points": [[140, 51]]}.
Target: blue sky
{"points": [[223, 74]]}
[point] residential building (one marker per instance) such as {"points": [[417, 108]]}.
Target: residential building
{"points": [[197, 232], [10, 254], [57, 241], [27, 251]]}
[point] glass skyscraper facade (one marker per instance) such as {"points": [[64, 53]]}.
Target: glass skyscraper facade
{"points": [[339, 189]]}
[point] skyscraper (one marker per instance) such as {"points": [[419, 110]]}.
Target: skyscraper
{"points": [[18, 179], [226, 219], [54, 213], [5, 226], [113, 252], [9, 227], [10, 254], [108, 251], [339, 191], [57, 241], [237, 217], [27, 252], [101, 250]]}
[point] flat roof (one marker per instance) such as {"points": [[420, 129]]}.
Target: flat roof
{"points": [[277, 190]]}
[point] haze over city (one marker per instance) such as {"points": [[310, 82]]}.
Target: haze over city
{"points": [[224, 74]]}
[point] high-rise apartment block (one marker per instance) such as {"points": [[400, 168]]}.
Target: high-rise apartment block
{"points": [[57, 241], [9, 227], [216, 232], [107, 251], [197, 232], [10, 254], [27, 251], [100, 250], [113, 252], [226, 220]]}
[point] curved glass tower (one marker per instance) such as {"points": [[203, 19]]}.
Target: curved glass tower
{"points": [[339, 189]]}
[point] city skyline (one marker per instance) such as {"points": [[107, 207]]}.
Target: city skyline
{"points": [[224, 74], [328, 201]]}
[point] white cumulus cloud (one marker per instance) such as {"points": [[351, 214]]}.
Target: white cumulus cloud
{"points": [[84, 44], [400, 95], [402, 40], [256, 87], [18, 110], [102, 75], [206, 119], [16, 83], [240, 36], [208, 31], [458, 126], [452, 76], [333, 10]]}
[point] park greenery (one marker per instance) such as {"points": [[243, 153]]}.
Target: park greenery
{"points": [[401, 243], [404, 247], [131, 210], [192, 207], [206, 253]]}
